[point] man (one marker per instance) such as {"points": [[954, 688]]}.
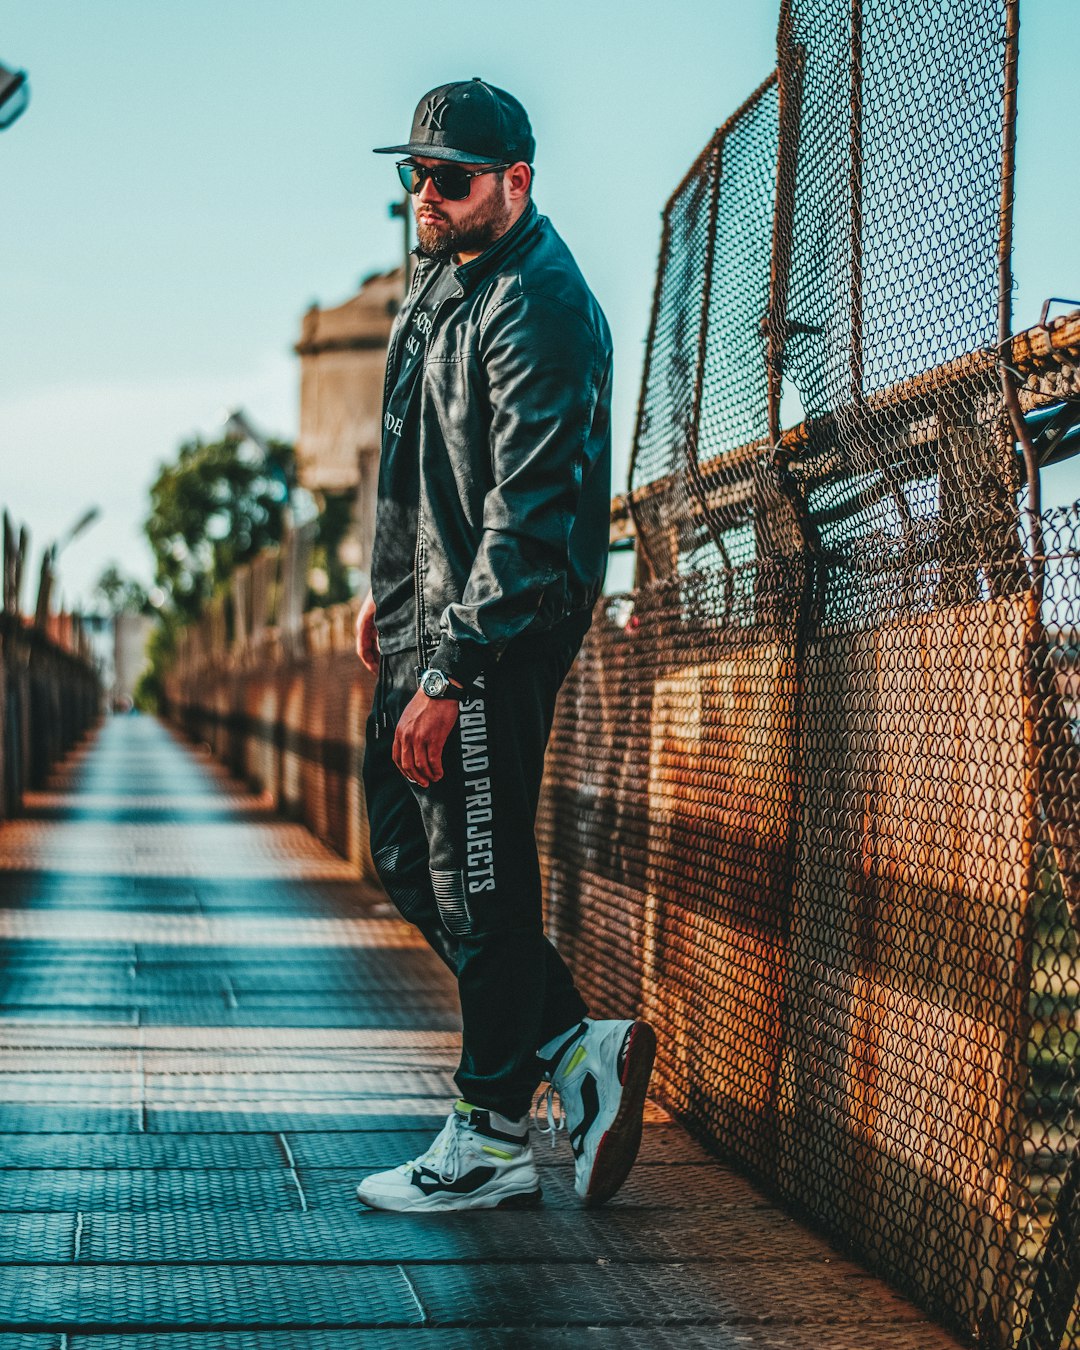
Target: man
{"points": [[490, 549]]}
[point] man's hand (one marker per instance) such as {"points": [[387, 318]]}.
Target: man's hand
{"points": [[367, 639], [420, 737]]}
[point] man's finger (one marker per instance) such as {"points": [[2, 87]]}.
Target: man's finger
{"points": [[369, 655], [421, 765], [405, 757], [424, 766], [433, 760]]}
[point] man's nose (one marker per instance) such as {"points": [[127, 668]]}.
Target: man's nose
{"points": [[427, 191]]}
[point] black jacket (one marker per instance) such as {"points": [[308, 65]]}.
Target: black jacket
{"points": [[515, 451]]}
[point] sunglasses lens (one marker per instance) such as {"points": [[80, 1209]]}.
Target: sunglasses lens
{"points": [[451, 183]]}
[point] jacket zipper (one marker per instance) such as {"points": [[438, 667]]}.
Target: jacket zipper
{"points": [[382, 718], [422, 636], [418, 563]]}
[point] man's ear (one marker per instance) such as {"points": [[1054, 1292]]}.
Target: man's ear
{"points": [[519, 180]]}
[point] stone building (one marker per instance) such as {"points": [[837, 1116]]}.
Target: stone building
{"points": [[342, 359]]}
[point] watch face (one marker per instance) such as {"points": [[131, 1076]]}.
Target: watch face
{"points": [[434, 683]]}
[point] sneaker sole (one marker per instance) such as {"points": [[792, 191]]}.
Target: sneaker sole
{"points": [[524, 1200], [618, 1149], [518, 1200]]}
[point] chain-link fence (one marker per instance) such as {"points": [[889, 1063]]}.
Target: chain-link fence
{"points": [[812, 797]]}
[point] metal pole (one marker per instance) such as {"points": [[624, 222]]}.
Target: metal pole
{"points": [[406, 225], [1005, 281], [403, 209], [693, 467], [791, 60], [1054, 1291], [855, 182]]}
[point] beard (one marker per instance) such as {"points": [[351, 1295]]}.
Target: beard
{"points": [[472, 233]]}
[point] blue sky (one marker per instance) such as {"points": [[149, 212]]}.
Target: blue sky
{"points": [[189, 177]]}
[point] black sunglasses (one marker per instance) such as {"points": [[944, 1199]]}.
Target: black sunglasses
{"points": [[451, 181]]}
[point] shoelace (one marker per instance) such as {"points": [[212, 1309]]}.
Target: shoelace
{"points": [[443, 1150], [545, 1103]]}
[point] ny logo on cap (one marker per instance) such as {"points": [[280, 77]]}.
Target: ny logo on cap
{"points": [[434, 111]]}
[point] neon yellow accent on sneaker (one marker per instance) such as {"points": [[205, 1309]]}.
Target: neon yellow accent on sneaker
{"points": [[497, 1152], [575, 1059], [463, 1106]]}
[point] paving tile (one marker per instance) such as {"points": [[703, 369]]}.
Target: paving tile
{"points": [[54, 1151], [73, 1011], [80, 1086], [37, 1237], [414, 1338], [394, 1113], [806, 1336], [550, 1295], [170, 1089], [39, 1119], [229, 1297], [30, 883], [283, 1063], [109, 989], [363, 1236], [74, 1188], [420, 1015]]}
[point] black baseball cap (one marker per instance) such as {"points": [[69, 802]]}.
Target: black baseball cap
{"points": [[469, 122]]}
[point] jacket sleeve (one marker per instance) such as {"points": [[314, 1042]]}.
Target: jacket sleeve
{"points": [[544, 367]]}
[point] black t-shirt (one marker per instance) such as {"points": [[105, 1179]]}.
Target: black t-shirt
{"points": [[393, 556]]}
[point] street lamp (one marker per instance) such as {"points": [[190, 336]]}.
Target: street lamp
{"points": [[403, 211], [83, 523], [14, 95], [48, 562]]}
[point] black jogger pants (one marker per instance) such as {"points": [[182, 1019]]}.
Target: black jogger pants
{"points": [[459, 858]]}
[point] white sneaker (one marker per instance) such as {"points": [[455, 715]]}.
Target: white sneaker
{"points": [[478, 1160], [602, 1078]]}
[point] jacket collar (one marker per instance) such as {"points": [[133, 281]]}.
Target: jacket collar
{"points": [[518, 237]]}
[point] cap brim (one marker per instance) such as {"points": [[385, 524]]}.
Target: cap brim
{"points": [[436, 152]]}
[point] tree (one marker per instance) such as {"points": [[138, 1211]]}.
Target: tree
{"points": [[329, 577], [214, 509], [120, 594], [218, 506]]}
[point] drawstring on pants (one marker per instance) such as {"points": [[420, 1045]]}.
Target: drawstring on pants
{"points": [[379, 714]]}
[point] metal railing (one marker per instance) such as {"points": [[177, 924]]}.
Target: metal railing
{"points": [[814, 793], [50, 694]]}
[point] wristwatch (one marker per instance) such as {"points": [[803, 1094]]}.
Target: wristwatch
{"points": [[436, 684]]}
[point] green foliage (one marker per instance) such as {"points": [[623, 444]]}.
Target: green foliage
{"points": [[117, 593], [335, 517], [214, 509], [217, 507], [160, 651]]}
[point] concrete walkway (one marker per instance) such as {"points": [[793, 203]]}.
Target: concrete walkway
{"points": [[209, 1031]]}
